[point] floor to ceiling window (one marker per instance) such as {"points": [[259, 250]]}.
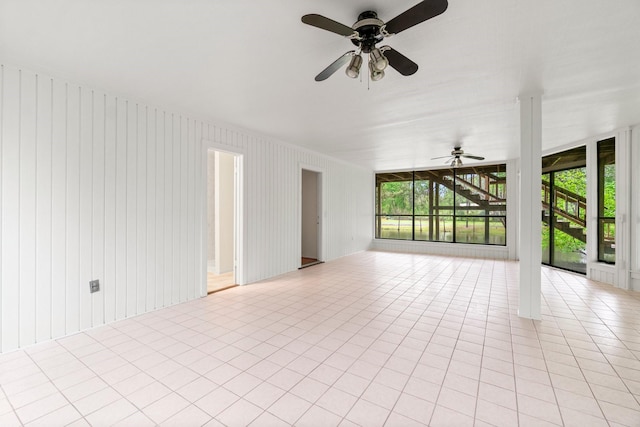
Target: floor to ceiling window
{"points": [[607, 200], [394, 206], [461, 205], [564, 209]]}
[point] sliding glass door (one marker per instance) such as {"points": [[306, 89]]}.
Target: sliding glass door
{"points": [[564, 203], [547, 234]]}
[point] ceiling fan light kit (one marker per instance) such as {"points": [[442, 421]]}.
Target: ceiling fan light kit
{"points": [[368, 31], [353, 70], [375, 73], [378, 60]]}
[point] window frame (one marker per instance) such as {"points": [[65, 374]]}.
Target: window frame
{"points": [[457, 214], [610, 144]]}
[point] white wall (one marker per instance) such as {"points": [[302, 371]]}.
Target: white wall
{"points": [[309, 214], [447, 249], [272, 235], [635, 208], [618, 274], [211, 213], [94, 186], [224, 190]]}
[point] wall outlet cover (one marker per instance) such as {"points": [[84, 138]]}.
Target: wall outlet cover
{"points": [[94, 286]]}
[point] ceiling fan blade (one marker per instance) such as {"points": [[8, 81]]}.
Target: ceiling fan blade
{"points": [[327, 72], [441, 157], [424, 10], [472, 157], [325, 23], [399, 62]]}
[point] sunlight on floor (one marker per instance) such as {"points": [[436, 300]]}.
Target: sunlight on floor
{"points": [[220, 281]]}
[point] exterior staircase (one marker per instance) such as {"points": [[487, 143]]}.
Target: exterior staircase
{"points": [[570, 209], [474, 194]]}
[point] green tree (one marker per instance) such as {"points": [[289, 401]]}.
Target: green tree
{"points": [[396, 198], [574, 181]]}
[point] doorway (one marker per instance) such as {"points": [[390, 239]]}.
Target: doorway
{"points": [[222, 210], [564, 210], [311, 208]]}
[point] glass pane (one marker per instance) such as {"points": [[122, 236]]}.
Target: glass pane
{"points": [[568, 251], [426, 209], [396, 198], [546, 218], [424, 227], [480, 191], [443, 228], [607, 241], [606, 200], [489, 230], [609, 205], [443, 197], [436, 228], [564, 208], [480, 195], [470, 229], [569, 209], [395, 227], [498, 230], [422, 197]]}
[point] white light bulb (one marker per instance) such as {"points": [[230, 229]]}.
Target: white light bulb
{"points": [[379, 61], [353, 70]]}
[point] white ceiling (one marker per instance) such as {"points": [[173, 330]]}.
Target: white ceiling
{"points": [[252, 63]]}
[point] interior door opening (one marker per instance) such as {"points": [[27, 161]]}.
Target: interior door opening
{"points": [[221, 220], [311, 201]]}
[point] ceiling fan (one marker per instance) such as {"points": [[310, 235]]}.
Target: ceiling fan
{"points": [[454, 158], [367, 32]]}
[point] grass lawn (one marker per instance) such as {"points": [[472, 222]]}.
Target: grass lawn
{"points": [[468, 231]]}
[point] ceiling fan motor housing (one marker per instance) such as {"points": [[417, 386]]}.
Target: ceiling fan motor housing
{"points": [[368, 27]]}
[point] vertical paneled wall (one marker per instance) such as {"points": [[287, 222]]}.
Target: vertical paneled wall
{"points": [[620, 274], [635, 208], [94, 186], [272, 173]]}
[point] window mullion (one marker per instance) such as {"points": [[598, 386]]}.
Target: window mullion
{"points": [[413, 206], [454, 213]]}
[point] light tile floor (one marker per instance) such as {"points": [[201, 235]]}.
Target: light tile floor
{"points": [[371, 339]]}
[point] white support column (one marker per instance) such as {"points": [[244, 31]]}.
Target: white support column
{"points": [[623, 209], [530, 205]]}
